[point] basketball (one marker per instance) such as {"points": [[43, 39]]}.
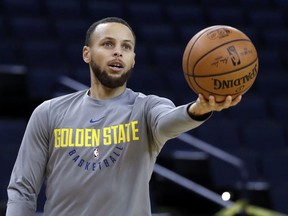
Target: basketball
{"points": [[220, 61]]}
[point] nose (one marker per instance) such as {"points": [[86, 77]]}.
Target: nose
{"points": [[117, 52]]}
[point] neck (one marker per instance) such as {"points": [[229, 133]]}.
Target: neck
{"points": [[100, 92]]}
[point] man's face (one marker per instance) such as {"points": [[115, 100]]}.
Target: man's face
{"points": [[111, 54]]}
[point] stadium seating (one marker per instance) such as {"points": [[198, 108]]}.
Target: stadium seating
{"points": [[47, 37]]}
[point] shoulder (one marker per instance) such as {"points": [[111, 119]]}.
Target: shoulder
{"points": [[61, 102], [150, 101]]}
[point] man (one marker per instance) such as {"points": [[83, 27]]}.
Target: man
{"points": [[95, 149]]}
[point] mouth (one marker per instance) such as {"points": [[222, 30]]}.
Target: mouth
{"points": [[116, 65]]}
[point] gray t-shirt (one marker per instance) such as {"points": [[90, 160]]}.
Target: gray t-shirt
{"points": [[96, 157]]}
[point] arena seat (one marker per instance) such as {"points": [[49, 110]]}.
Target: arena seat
{"points": [[63, 9], [42, 53], [264, 137], [29, 8], [227, 16], [31, 28], [98, 10], [267, 19], [185, 14]]}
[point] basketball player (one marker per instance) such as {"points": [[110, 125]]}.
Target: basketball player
{"points": [[95, 149]]}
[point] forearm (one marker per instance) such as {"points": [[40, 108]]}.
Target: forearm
{"points": [[22, 189], [28, 172], [178, 121], [198, 116], [19, 208]]}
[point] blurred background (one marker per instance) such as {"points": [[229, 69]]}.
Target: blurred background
{"points": [[41, 57]]}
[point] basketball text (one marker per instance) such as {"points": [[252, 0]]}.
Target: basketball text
{"points": [[230, 83], [90, 137]]}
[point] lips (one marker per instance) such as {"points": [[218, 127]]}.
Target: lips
{"points": [[116, 65]]}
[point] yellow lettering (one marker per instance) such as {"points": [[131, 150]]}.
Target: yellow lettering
{"points": [[88, 137], [79, 137], [121, 135], [57, 141], [107, 136], [114, 128], [127, 126], [135, 130], [71, 144], [64, 137], [96, 137]]}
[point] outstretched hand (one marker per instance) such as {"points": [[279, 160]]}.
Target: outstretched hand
{"points": [[203, 106]]}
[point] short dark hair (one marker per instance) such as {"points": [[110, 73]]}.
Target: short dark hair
{"points": [[105, 20]]}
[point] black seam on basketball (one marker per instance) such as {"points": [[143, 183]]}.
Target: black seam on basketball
{"points": [[215, 48], [211, 50], [220, 74], [216, 94], [188, 56]]}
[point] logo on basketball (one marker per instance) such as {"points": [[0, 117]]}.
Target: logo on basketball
{"points": [[218, 33], [234, 55]]}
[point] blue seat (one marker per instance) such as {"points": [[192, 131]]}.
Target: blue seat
{"points": [[140, 13], [269, 60], [180, 91], [223, 133], [275, 168], [226, 176], [148, 81], [276, 38], [168, 56], [272, 84], [42, 53], [26, 8], [3, 30], [252, 33], [63, 9], [11, 133], [251, 108], [279, 107], [43, 81], [264, 137], [255, 4], [279, 197], [185, 14], [72, 53], [143, 57], [10, 49], [71, 30], [226, 16], [98, 10], [12, 130], [219, 3], [82, 74], [267, 19], [156, 33], [35, 28], [281, 4], [187, 31]]}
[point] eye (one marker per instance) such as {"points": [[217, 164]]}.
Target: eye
{"points": [[108, 44], [127, 47]]}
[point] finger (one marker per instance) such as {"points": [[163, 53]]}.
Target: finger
{"points": [[236, 100], [201, 98], [211, 100], [227, 102]]}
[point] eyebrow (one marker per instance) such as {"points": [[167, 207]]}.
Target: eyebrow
{"points": [[111, 38]]}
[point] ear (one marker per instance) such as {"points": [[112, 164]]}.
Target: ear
{"points": [[86, 54], [134, 61]]}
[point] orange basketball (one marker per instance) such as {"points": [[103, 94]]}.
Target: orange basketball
{"points": [[220, 60]]}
